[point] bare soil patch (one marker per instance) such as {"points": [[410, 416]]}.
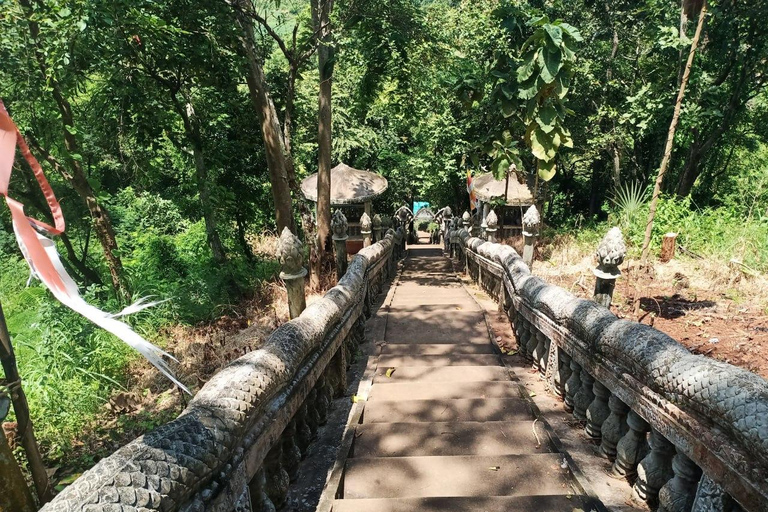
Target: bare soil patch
{"points": [[713, 309]]}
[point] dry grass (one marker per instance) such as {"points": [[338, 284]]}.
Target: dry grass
{"points": [[569, 264], [202, 350]]}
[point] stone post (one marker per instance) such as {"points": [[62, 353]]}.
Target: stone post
{"points": [[584, 397], [598, 410], [466, 221], [339, 230], [610, 254], [365, 229], [455, 238], [491, 226], [257, 490], [531, 223], [654, 470], [483, 224], [572, 386], [614, 428], [632, 448], [290, 252], [447, 219], [679, 493], [377, 228]]}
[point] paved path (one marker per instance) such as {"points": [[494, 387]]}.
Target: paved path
{"points": [[447, 428]]}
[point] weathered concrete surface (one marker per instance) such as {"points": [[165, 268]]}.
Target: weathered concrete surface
{"points": [[444, 420]]}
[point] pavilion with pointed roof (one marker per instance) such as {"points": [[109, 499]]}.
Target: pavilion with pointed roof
{"points": [[508, 197], [353, 190]]}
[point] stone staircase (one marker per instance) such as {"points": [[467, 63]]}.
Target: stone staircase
{"points": [[445, 426]]}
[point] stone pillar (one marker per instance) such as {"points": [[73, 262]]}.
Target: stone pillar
{"points": [[367, 209], [447, 219], [466, 221], [598, 411], [260, 502], [278, 480], [339, 229], [290, 252], [291, 451], [377, 228], [563, 372], [654, 470], [531, 223], [538, 351], [679, 493], [614, 428], [584, 397], [491, 226], [610, 254], [483, 224], [632, 448], [365, 229], [572, 386]]}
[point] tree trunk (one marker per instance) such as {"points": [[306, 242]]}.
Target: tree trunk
{"points": [[15, 496], [75, 176], [240, 221], [270, 124], [671, 138], [21, 409], [192, 129], [321, 11], [668, 245], [691, 171]]}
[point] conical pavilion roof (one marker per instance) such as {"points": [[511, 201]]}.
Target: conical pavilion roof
{"points": [[487, 189], [348, 185]]}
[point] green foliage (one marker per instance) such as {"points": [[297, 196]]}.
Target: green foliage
{"points": [[629, 200]]}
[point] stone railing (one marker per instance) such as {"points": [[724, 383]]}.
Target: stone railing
{"points": [[708, 421], [239, 443]]}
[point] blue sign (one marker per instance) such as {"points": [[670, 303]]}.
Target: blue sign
{"points": [[418, 205]]}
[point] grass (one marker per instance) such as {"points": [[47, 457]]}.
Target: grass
{"points": [[72, 371]]}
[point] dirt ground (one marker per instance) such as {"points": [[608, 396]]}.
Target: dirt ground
{"points": [[714, 309]]}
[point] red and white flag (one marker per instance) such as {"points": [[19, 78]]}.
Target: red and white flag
{"points": [[40, 251]]}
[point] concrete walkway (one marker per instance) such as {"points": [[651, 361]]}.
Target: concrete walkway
{"points": [[445, 427]]}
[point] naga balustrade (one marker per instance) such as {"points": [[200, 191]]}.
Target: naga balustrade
{"points": [[239, 443], [690, 432]]}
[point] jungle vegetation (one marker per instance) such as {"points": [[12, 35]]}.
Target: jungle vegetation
{"points": [[174, 132]]}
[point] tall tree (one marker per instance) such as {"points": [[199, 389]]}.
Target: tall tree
{"points": [[321, 17], [72, 171], [274, 142], [671, 136]]}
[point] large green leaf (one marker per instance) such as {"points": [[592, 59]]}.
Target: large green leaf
{"points": [[547, 118], [555, 34], [525, 71], [550, 65], [542, 145], [546, 170]]}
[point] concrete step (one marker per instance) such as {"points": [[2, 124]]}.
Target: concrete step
{"points": [[465, 504], [444, 360], [428, 324], [459, 438], [441, 374], [417, 477], [397, 392], [465, 409], [434, 349]]}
